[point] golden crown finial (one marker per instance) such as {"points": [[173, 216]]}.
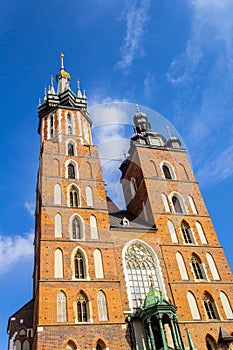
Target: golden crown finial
{"points": [[151, 280], [61, 55]]}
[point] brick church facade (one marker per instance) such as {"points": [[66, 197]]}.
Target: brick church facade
{"points": [[153, 276]]}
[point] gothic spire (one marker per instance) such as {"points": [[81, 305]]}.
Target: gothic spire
{"points": [[62, 77]]}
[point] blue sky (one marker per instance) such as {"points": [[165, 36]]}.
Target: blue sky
{"points": [[175, 57]]}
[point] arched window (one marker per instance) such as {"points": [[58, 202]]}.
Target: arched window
{"points": [[133, 186], [69, 124], [201, 233], [192, 204], [212, 267], [172, 231], [76, 228], [187, 233], [71, 171], [61, 307], [82, 308], [181, 265], [166, 172], [56, 167], [99, 346], [58, 264], [58, 225], [178, 204], [140, 264], [210, 343], [70, 149], [71, 346], [17, 344], [165, 202], [210, 307], [193, 306], [74, 197], [26, 345], [94, 228], [99, 271], [198, 270], [51, 126], [226, 306], [89, 196], [155, 171], [184, 171], [86, 171], [102, 306], [57, 194], [79, 266]]}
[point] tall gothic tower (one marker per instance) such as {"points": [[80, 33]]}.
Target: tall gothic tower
{"points": [[152, 276]]}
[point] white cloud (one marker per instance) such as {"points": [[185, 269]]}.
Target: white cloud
{"points": [[148, 83], [202, 76], [136, 15], [220, 168], [15, 249], [30, 207]]}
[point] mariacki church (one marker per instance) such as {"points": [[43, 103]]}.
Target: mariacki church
{"points": [[153, 276]]}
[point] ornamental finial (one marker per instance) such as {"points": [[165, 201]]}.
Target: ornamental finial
{"points": [[151, 280], [137, 107], [62, 61]]}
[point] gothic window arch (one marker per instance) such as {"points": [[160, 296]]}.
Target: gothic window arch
{"points": [[82, 308], [61, 307], [213, 267], [168, 171], [94, 227], [57, 194], [86, 170], [56, 167], [184, 171], [71, 148], [182, 267], [58, 225], [140, 264], [154, 167], [172, 231], [210, 343], [69, 124], [74, 196], [51, 127], [79, 265], [178, 204], [133, 186], [197, 268], [58, 263], [98, 262], [165, 202], [193, 306], [226, 305], [17, 344], [210, 307], [26, 345], [76, 227], [187, 233], [192, 204], [201, 233], [71, 170], [71, 346], [102, 306], [89, 196], [100, 345]]}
